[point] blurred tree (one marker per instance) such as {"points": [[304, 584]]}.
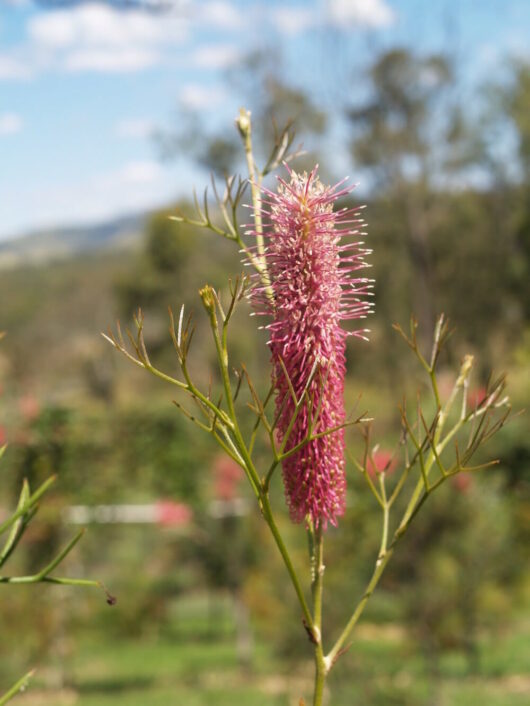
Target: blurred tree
{"points": [[409, 136], [510, 114], [174, 261], [515, 100], [455, 570], [224, 548], [274, 103], [167, 248], [216, 152]]}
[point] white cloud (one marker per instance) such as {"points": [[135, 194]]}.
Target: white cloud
{"points": [[197, 97], [13, 68], [98, 37], [99, 25], [216, 56], [58, 29], [361, 13], [95, 36], [219, 13], [10, 123], [293, 20], [110, 60], [135, 128], [145, 172]]}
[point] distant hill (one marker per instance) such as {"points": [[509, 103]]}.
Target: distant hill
{"points": [[54, 244]]}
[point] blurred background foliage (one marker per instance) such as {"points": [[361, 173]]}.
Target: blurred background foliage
{"points": [[204, 609]]}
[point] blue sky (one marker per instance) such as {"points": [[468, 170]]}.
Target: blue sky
{"points": [[83, 86]]}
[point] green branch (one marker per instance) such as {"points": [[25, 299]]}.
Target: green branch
{"points": [[16, 688]]}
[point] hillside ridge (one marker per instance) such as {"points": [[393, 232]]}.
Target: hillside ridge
{"points": [[64, 242]]}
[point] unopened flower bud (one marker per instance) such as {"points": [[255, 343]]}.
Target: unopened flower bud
{"points": [[243, 122], [465, 369], [208, 299]]}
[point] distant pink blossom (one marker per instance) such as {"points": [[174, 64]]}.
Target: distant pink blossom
{"points": [[382, 461], [312, 253], [477, 396], [29, 407], [173, 514], [227, 476], [463, 482]]}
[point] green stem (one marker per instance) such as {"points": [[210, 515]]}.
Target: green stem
{"points": [[19, 686], [317, 578], [27, 505], [380, 566], [49, 579], [420, 485], [438, 444], [222, 356], [434, 385], [317, 581], [191, 389], [269, 519], [254, 176], [418, 496], [386, 515], [382, 560], [62, 554], [320, 676], [255, 187], [250, 469]]}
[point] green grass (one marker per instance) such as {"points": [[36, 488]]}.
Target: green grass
{"points": [[381, 669], [131, 673]]}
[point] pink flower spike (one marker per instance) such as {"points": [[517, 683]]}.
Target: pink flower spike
{"points": [[310, 293]]}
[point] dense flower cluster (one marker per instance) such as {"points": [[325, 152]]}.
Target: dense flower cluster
{"points": [[311, 253]]}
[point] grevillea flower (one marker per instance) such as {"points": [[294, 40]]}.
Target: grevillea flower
{"points": [[311, 254]]}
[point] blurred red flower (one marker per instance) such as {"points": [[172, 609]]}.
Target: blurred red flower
{"points": [[383, 460], [29, 407], [476, 396], [173, 514], [227, 475], [462, 482]]}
